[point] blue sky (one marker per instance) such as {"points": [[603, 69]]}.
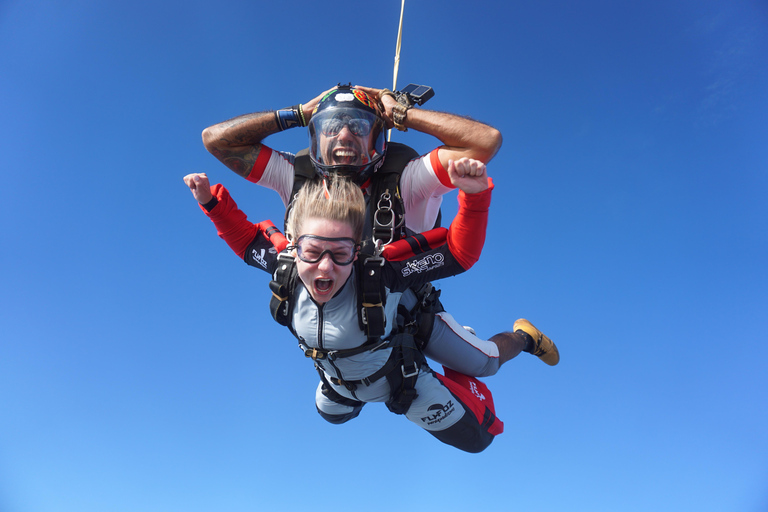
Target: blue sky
{"points": [[139, 368]]}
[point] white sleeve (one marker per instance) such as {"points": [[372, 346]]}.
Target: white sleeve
{"points": [[422, 193], [274, 172]]}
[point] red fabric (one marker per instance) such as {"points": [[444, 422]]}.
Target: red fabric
{"points": [[275, 236], [474, 394], [440, 171], [466, 235], [259, 165], [402, 249], [234, 227]]}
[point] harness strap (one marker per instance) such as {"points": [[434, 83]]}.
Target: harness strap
{"points": [[351, 385], [282, 289], [401, 371], [426, 308], [371, 297], [331, 355], [403, 383]]}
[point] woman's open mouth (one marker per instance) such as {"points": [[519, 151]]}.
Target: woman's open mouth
{"points": [[323, 286]]}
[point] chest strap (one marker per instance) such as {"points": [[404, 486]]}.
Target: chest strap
{"points": [[372, 345]]}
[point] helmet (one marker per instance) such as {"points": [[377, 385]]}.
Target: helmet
{"points": [[347, 136]]}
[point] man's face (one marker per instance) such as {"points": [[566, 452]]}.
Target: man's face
{"points": [[346, 140]]}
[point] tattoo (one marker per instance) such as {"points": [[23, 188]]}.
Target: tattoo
{"points": [[240, 160], [239, 142]]}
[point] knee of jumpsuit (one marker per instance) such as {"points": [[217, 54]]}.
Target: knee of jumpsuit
{"points": [[445, 416], [453, 346], [332, 410]]}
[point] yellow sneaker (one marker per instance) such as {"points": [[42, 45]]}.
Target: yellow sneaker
{"points": [[544, 348]]}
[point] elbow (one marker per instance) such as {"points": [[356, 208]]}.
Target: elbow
{"points": [[493, 143], [210, 139]]}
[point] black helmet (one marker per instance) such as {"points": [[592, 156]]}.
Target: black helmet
{"points": [[346, 135]]}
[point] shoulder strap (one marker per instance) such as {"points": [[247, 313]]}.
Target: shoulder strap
{"points": [[303, 172], [283, 286], [371, 296], [387, 207]]}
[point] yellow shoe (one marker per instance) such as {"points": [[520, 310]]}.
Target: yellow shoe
{"points": [[544, 348]]}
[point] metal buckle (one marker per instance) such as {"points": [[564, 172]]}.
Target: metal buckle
{"points": [[314, 353], [383, 208], [364, 311], [412, 374]]}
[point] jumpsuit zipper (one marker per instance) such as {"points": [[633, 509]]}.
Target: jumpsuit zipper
{"points": [[320, 321]]}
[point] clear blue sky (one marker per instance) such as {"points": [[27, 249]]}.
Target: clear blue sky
{"points": [[139, 368]]}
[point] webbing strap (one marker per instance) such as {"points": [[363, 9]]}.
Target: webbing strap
{"points": [[285, 276], [371, 295]]}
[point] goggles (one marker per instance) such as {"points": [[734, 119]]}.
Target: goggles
{"points": [[312, 248], [357, 126]]}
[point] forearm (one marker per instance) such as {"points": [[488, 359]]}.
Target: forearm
{"points": [[466, 235], [237, 142], [231, 223], [461, 136]]}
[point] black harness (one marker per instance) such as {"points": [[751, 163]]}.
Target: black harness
{"points": [[386, 224]]}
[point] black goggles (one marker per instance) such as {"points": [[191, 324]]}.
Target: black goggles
{"points": [[312, 248], [357, 126]]}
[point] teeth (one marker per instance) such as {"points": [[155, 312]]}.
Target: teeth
{"points": [[323, 284]]}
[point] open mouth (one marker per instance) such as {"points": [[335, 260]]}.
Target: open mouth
{"points": [[323, 286], [344, 156]]}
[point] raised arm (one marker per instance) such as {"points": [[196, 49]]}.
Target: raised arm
{"points": [[466, 234], [237, 142], [232, 224], [462, 137]]}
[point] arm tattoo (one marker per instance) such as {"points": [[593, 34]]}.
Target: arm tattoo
{"points": [[240, 140]]}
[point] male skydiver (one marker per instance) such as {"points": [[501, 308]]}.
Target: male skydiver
{"points": [[347, 127]]}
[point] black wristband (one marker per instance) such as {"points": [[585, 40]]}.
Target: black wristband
{"points": [[210, 205]]}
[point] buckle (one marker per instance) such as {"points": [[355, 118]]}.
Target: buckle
{"points": [[364, 310], [314, 353], [412, 373], [339, 382]]}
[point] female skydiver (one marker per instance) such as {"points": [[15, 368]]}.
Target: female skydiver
{"points": [[347, 135], [325, 230]]}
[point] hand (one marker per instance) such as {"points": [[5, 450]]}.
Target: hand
{"points": [[468, 175], [387, 102], [200, 186], [309, 107]]}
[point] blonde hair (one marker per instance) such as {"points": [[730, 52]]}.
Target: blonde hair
{"points": [[341, 200]]}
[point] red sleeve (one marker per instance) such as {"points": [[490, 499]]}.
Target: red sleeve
{"points": [[234, 227], [257, 171], [466, 234], [440, 171]]}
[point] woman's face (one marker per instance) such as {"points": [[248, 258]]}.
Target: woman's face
{"points": [[324, 278]]}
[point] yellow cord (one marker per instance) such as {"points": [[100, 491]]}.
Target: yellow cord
{"points": [[397, 55]]}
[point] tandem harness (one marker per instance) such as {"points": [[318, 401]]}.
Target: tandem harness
{"points": [[406, 340], [386, 208], [385, 224]]}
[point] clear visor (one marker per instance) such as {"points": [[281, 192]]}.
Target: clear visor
{"points": [[346, 137]]}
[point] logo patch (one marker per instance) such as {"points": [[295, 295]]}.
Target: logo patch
{"points": [[439, 413], [258, 257], [427, 263], [475, 391]]}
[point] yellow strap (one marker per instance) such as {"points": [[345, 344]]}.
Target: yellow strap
{"points": [[397, 55]]}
